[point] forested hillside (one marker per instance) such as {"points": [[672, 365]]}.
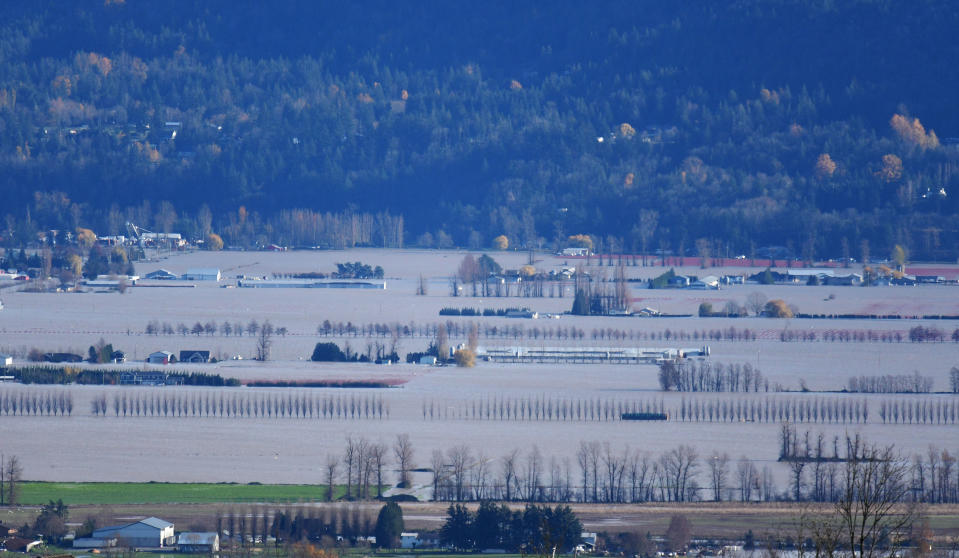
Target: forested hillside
{"points": [[817, 125]]}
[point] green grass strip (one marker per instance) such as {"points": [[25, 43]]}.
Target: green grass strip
{"points": [[80, 493]]}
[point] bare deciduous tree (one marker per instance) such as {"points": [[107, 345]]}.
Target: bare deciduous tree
{"points": [[403, 452]]}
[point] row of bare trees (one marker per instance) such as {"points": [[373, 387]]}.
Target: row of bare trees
{"points": [[817, 464], [538, 408], [224, 403], [764, 409], [210, 328], [28, 402]]}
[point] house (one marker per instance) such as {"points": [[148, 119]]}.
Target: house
{"points": [[709, 282], [575, 252], [679, 282], [5, 360], [6, 530], [160, 274], [588, 541], [161, 357], [850, 280], [427, 359], [146, 533], [195, 356], [205, 542], [409, 540], [18, 544], [202, 274], [930, 279]]}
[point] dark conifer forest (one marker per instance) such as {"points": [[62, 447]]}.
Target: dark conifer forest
{"points": [[819, 126]]}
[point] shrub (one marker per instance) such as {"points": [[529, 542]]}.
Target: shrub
{"points": [[327, 352]]}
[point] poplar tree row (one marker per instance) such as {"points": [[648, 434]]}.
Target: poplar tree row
{"points": [[44, 402], [153, 403]]}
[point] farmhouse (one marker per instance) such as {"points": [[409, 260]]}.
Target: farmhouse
{"points": [[195, 356], [161, 357], [204, 542], [147, 533], [5, 359], [202, 274], [409, 540]]}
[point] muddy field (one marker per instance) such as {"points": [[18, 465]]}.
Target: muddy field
{"points": [[240, 449]]}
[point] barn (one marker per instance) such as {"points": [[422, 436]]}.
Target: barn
{"points": [[147, 533]]}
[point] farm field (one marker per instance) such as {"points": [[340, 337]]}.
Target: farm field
{"points": [[113, 493], [436, 405]]}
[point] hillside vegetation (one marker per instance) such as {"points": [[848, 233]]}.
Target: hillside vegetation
{"points": [[815, 125]]}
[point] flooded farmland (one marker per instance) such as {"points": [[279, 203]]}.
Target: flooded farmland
{"points": [[437, 406]]}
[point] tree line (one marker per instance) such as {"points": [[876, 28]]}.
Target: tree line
{"points": [[42, 403], [293, 404], [767, 409]]}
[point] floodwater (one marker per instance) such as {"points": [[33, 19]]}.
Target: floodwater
{"points": [[84, 447]]}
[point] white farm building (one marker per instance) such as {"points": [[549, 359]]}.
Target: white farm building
{"points": [[202, 274]]}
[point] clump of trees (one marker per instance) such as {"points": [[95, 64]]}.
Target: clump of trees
{"points": [[891, 383], [708, 376], [331, 352], [535, 530]]}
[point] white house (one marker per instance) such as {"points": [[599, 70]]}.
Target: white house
{"points": [[5, 360], [409, 540], [202, 274], [147, 533]]}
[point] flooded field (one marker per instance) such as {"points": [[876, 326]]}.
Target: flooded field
{"points": [[245, 449]]}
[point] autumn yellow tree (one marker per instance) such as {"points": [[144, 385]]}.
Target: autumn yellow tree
{"points": [[777, 309], [913, 133], [213, 242], [527, 271], [899, 256], [465, 358], [891, 170], [581, 241], [501, 242], [825, 166], [626, 130]]}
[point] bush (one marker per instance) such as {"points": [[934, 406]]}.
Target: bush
{"points": [[327, 352]]}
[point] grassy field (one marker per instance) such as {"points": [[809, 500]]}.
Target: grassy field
{"points": [[111, 493]]}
